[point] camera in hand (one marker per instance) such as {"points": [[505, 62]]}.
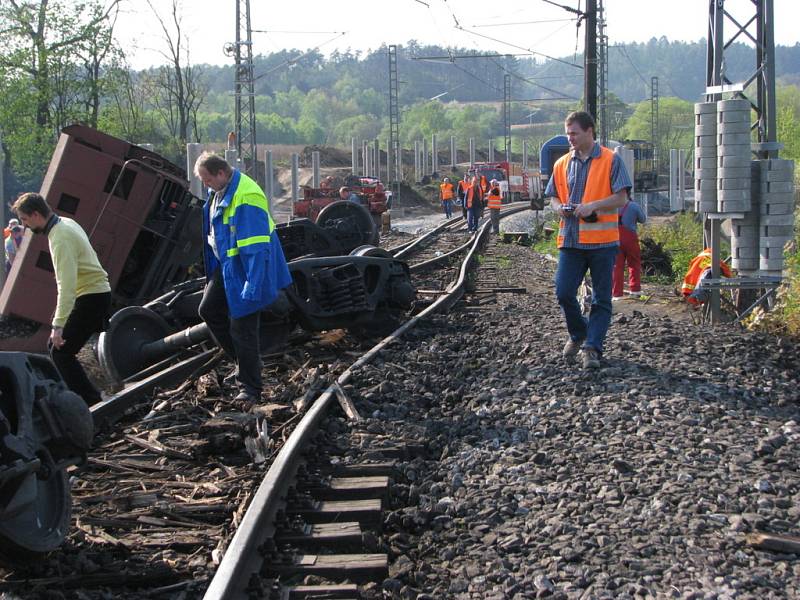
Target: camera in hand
{"points": [[568, 208]]}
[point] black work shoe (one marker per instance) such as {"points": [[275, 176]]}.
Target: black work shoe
{"points": [[591, 358], [571, 348]]}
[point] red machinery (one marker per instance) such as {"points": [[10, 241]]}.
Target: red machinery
{"points": [[369, 190], [515, 183]]}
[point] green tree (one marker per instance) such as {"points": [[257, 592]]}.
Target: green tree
{"points": [[675, 126]]}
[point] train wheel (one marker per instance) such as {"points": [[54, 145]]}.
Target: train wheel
{"points": [[40, 526], [351, 222], [129, 329]]}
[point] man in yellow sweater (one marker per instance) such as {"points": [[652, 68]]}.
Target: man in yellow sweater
{"points": [[84, 294]]}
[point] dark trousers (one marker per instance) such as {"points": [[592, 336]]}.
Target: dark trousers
{"points": [[89, 316], [239, 338]]}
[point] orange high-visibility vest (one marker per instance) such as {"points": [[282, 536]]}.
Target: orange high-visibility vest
{"points": [[598, 187], [495, 198], [484, 184], [446, 191], [473, 193], [697, 267]]}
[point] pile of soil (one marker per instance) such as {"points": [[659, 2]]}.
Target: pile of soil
{"points": [[328, 156]]}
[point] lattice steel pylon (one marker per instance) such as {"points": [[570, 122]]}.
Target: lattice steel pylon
{"points": [[393, 168], [764, 74], [244, 91], [507, 115]]}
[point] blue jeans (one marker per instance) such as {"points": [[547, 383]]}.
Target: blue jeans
{"points": [[572, 267], [447, 205], [473, 215]]}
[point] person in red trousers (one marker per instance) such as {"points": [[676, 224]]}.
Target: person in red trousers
{"points": [[629, 216]]}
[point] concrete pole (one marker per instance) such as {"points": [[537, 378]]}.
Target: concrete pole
{"points": [[364, 158], [471, 151], [673, 180], [627, 158], [681, 182], [453, 151], [353, 156], [315, 169], [295, 176], [491, 150], [232, 157], [524, 155], [398, 157], [424, 157], [193, 151], [377, 169], [417, 169], [434, 155], [269, 175]]}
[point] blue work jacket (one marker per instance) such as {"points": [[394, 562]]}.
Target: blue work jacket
{"points": [[253, 265]]}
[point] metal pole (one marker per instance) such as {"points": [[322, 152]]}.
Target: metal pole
{"points": [[491, 150], [353, 157], [315, 169], [453, 152], [269, 175], [193, 152], [364, 158], [471, 151], [590, 58], [295, 177]]}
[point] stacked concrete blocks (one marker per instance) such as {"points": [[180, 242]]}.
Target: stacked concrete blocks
{"points": [[705, 157], [733, 156], [776, 208], [744, 232]]}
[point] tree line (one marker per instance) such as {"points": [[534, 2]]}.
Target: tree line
{"points": [[60, 63]]}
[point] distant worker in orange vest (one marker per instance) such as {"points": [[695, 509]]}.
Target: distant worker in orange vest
{"points": [[446, 196], [474, 202], [588, 185], [484, 191], [495, 203], [699, 270]]}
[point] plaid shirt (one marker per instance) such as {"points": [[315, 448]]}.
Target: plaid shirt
{"points": [[577, 174]]}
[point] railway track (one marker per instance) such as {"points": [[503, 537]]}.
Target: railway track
{"points": [[171, 479]]}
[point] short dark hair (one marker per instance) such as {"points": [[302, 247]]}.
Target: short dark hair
{"points": [[213, 163], [583, 119], [31, 202]]}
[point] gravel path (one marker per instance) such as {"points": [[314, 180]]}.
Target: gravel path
{"points": [[639, 480]]}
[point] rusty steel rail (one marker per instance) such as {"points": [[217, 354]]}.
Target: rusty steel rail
{"points": [[242, 557]]}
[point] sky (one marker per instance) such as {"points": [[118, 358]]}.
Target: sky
{"points": [[502, 26]]}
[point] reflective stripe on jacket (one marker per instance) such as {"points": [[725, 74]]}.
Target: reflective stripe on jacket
{"points": [[598, 187], [253, 265], [446, 191], [495, 198]]}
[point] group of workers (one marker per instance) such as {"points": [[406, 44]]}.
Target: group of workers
{"points": [[473, 194]]}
